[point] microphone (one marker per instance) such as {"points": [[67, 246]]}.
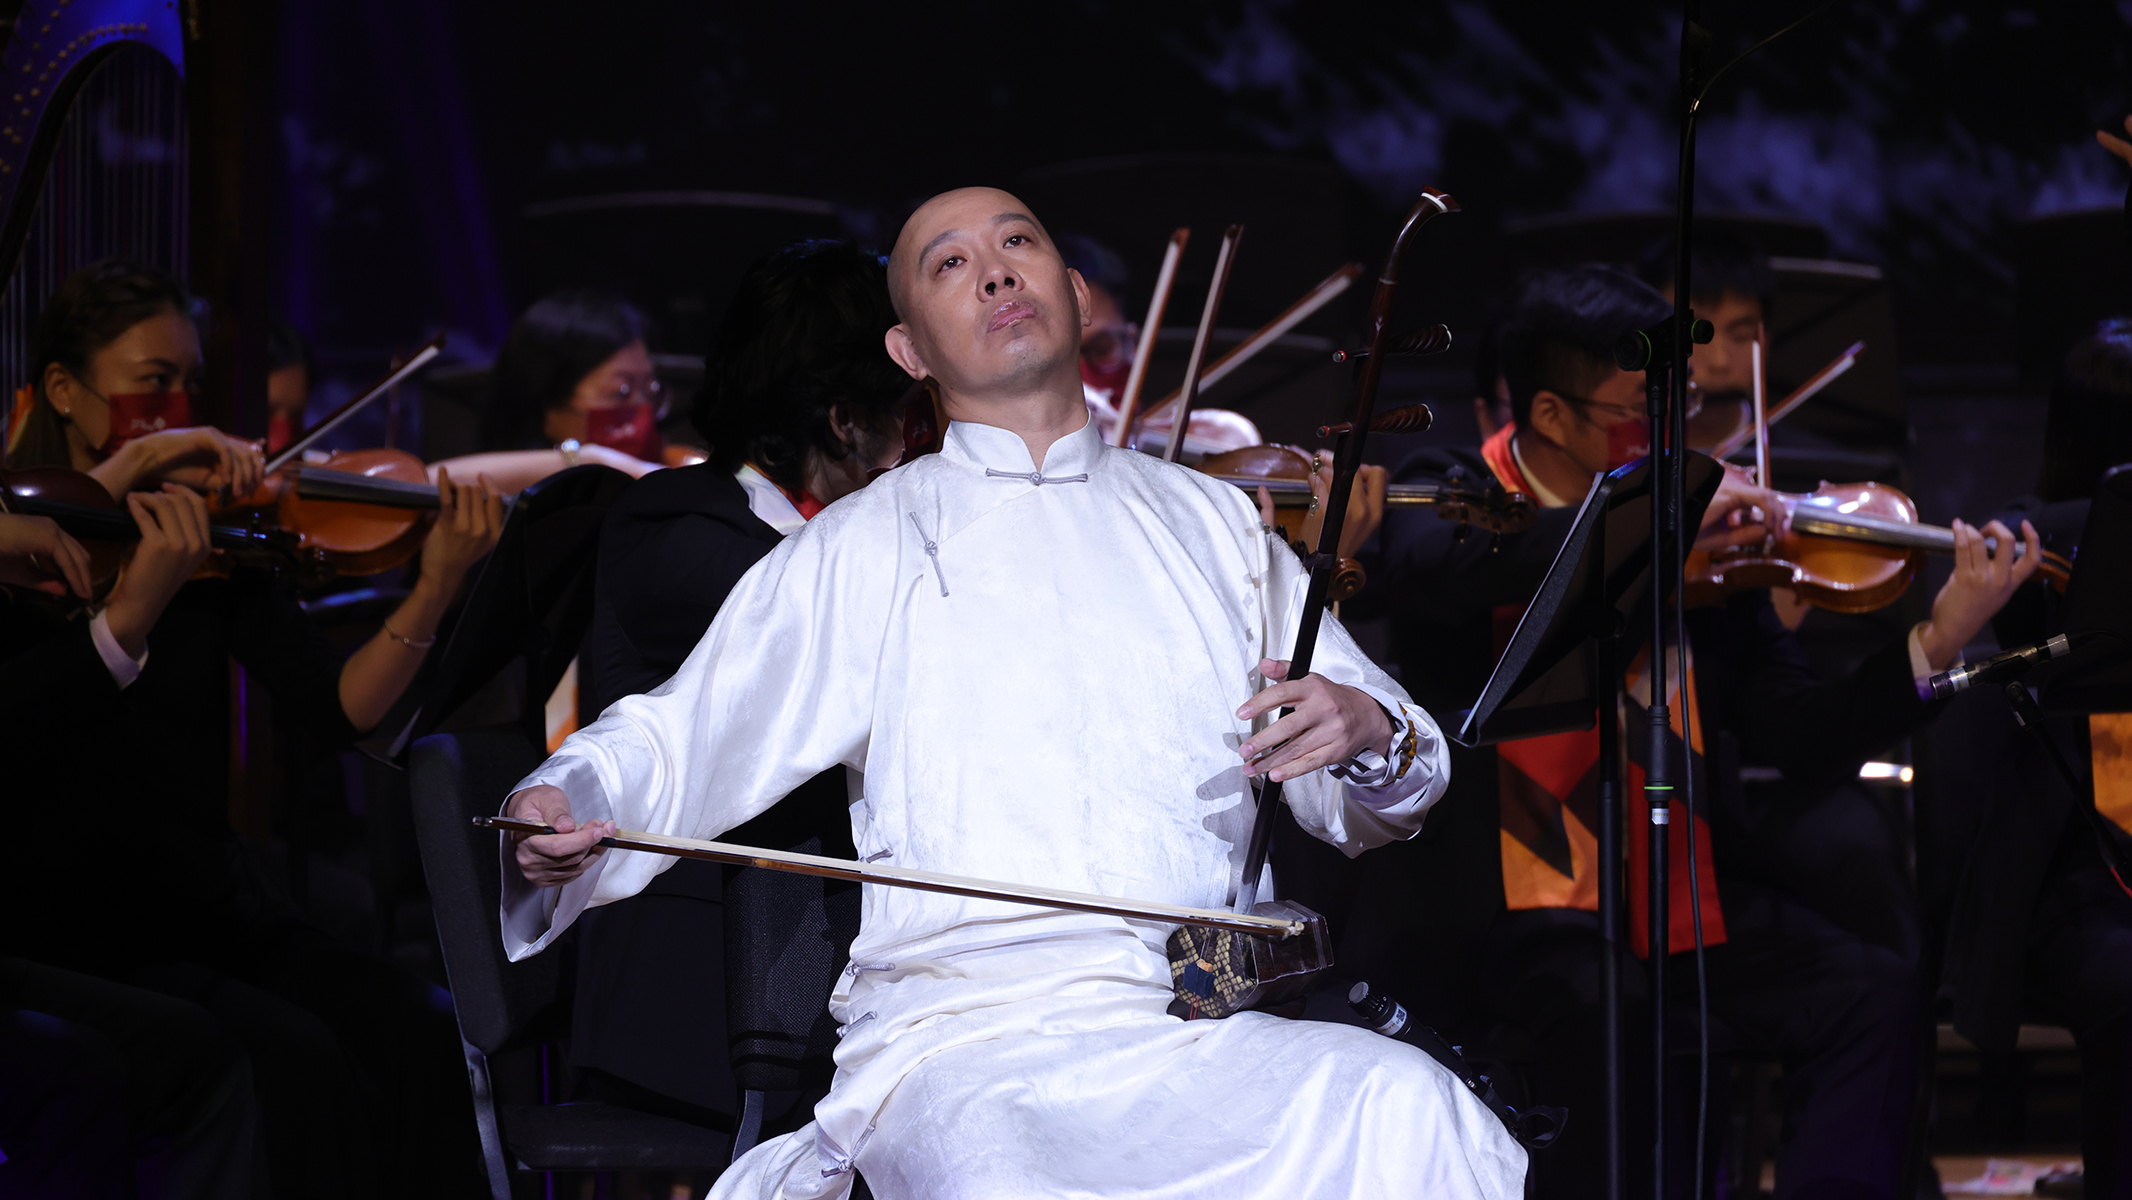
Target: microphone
{"points": [[2009, 664]]}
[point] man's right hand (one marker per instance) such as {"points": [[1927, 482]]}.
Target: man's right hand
{"points": [[1742, 513], [554, 859]]}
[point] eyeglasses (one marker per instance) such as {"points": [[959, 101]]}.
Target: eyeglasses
{"points": [[623, 391], [1611, 413]]}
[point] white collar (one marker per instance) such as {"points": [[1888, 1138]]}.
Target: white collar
{"points": [[768, 501], [1547, 497], [1003, 450]]}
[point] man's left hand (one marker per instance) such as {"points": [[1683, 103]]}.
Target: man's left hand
{"points": [[1329, 724]]}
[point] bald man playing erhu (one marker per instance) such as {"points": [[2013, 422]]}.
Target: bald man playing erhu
{"points": [[1049, 661]]}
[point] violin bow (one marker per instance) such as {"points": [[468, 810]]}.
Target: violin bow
{"points": [[295, 449], [1183, 420], [1347, 461], [923, 881], [1129, 399], [1761, 415], [1295, 314], [1800, 395]]}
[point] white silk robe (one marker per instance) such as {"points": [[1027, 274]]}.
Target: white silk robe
{"points": [[1034, 680]]}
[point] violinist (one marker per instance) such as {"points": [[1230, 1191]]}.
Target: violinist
{"points": [[1048, 658], [132, 422], [112, 1091], [1735, 291], [155, 890], [288, 384], [574, 383], [1513, 854], [1109, 342], [2037, 929], [799, 404]]}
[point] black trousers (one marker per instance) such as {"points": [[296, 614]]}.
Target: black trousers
{"points": [[1838, 1011], [2079, 974], [118, 1091]]}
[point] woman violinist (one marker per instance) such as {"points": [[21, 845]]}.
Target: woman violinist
{"points": [[356, 1062], [574, 383]]}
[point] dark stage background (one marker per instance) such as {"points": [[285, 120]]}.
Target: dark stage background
{"points": [[444, 163]]}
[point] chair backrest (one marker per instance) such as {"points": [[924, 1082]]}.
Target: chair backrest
{"points": [[533, 599], [454, 777], [786, 939]]}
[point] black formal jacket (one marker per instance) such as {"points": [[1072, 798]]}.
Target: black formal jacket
{"points": [[650, 989], [138, 861], [1420, 913]]}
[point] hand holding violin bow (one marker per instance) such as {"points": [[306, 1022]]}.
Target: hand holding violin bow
{"points": [[200, 457], [1742, 513]]}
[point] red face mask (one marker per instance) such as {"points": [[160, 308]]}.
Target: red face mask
{"points": [[1627, 441], [631, 427], [280, 432], [1107, 379], [138, 414]]}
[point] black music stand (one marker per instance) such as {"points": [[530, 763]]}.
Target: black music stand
{"points": [[2097, 675], [1563, 668]]}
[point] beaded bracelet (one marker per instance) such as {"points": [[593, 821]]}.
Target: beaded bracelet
{"points": [[424, 644]]}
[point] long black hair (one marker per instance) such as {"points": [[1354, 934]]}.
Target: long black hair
{"points": [[2089, 426], [551, 348], [802, 336], [91, 309]]}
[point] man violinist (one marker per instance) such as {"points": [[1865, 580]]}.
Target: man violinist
{"points": [[1509, 955], [1050, 659]]}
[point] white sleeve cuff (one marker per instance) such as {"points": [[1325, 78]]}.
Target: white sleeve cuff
{"points": [[1371, 767], [533, 917], [124, 667], [1921, 672]]}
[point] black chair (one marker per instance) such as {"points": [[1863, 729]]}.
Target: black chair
{"points": [[787, 937], [505, 1006]]}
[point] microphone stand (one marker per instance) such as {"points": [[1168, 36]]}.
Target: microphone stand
{"points": [[1665, 393], [1667, 396]]}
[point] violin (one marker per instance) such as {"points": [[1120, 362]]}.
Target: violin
{"points": [[351, 512], [348, 512], [1849, 547], [1285, 473], [81, 506]]}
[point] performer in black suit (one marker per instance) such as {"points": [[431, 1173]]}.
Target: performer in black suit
{"points": [[355, 1061], [799, 404], [2037, 928], [1508, 954]]}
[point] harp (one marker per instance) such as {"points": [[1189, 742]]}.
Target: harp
{"points": [[94, 153]]}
